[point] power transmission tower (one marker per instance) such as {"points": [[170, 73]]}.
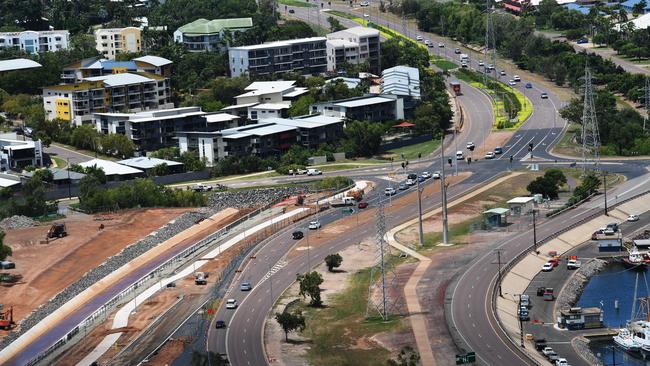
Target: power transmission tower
{"points": [[590, 134], [490, 52], [383, 284]]}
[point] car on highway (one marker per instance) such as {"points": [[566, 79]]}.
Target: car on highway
{"points": [[490, 155], [490, 67], [314, 172], [363, 204], [611, 229], [502, 73], [297, 235], [459, 155], [419, 38], [470, 145], [516, 78], [582, 41], [561, 362], [366, 15], [481, 63], [633, 218], [523, 314], [441, 45], [220, 324], [541, 290], [511, 82], [498, 150], [314, 225], [544, 96], [411, 182], [291, 11], [426, 42], [548, 294], [389, 191], [554, 261], [529, 85], [231, 304], [245, 286], [547, 267], [436, 175], [430, 45], [402, 187], [553, 356], [364, 3], [421, 179], [426, 175], [457, 51], [547, 350]]}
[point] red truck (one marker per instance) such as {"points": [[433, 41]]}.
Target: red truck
{"points": [[455, 86]]}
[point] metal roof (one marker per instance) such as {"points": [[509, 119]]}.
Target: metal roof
{"points": [[153, 60], [272, 106], [204, 26], [220, 117], [60, 174], [147, 162], [497, 211], [266, 87], [296, 92], [239, 106], [260, 129], [363, 101], [357, 31], [120, 79], [521, 200], [279, 43], [18, 64], [111, 168]]}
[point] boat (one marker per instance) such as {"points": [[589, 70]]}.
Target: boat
{"points": [[625, 341], [634, 259], [636, 334]]}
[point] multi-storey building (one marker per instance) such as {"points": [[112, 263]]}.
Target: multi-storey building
{"points": [[94, 66], [362, 45], [266, 99], [126, 92], [16, 154], [367, 108], [206, 35], [401, 80], [112, 41], [36, 42], [307, 56]]}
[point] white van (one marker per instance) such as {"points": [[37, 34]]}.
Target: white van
{"points": [[459, 155]]}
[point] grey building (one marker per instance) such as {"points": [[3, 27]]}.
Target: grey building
{"points": [[367, 108]]}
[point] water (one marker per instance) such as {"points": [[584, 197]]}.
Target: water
{"points": [[615, 282]]}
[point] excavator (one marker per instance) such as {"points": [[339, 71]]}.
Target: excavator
{"points": [[7, 319], [57, 231]]}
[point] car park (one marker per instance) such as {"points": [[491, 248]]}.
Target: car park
{"points": [[363, 204], [297, 235], [544, 96], [220, 324], [490, 155], [231, 304], [547, 267], [498, 150], [529, 85], [314, 225], [245, 286], [389, 191], [633, 218], [402, 187]]}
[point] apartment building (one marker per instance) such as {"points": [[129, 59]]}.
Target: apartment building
{"points": [[374, 108], [268, 138], [94, 66], [16, 154], [266, 99], [354, 45], [307, 56], [125, 92], [401, 80], [152, 130], [113, 41], [204, 35], [35, 42]]}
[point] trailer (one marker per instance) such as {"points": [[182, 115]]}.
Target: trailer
{"points": [[455, 86]]}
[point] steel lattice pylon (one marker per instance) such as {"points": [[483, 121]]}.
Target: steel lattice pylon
{"points": [[490, 51], [590, 135], [382, 268]]}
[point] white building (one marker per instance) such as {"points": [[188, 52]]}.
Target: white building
{"points": [[113, 170], [16, 154], [18, 64], [340, 51], [402, 81], [36, 42], [360, 40], [367, 108], [112, 41], [206, 35], [266, 99]]}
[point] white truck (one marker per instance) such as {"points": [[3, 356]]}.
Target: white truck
{"points": [[573, 264], [200, 187], [345, 201]]}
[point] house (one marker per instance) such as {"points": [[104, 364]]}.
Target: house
{"points": [[580, 318], [629, 6], [122, 92], [208, 35], [112, 170], [521, 205], [146, 164], [18, 64], [16, 154], [266, 99], [354, 45], [9, 181], [61, 176], [152, 130], [370, 107], [401, 80], [307, 56], [113, 41], [76, 72], [34, 42]]}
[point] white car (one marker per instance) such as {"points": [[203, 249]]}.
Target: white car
{"points": [[561, 362], [441, 45], [470, 145], [573, 264], [313, 225], [231, 304], [480, 63], [547, 267], [426, 41], [511, 82], [419, 38], [490, 155], [633, 218], [364, 3], [516, 78], [410, 182], [366, 15], [436, 175], [314, 172], [426, 175], [502, 73], [390, 191]]}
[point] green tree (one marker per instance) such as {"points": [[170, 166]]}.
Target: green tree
{"points": [[301, 106], [363, 138], [335, 25], [406, 357], [544, 186], [191, 161], [159, 170], [310, 286], [333, 261], [639, 8], [290, 322], [116, 144], [5, 250], [206, 359], [556, 176]]}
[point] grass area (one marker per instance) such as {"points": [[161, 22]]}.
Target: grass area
{"points": [[443, 64], [567, 145], [60, 163], [335, 329], [297, 3], [411, 151], [333, 168]]}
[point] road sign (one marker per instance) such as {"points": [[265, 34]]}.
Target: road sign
{"points": [[469, 357]]}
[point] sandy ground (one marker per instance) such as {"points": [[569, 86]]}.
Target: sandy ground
{"points": [[153, 308], [55, 265]]}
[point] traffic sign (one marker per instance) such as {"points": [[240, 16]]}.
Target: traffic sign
{"points": [[469, 357]]}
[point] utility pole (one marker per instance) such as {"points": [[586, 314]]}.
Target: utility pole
{"points": [[499, 262], [69, 188], [534, 232], [521, 325], [443, 191], [456, 147], [420, 214], [605, 190]]}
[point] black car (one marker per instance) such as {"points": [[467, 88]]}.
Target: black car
{"points": [[291, 11], [297, 235], [220, 324], [541, 290]]}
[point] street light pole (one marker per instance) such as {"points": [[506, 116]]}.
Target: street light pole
{"points": [[456, 147], [443, 191], [534, 232], [605, 190], [69, 183], [421, 237]]}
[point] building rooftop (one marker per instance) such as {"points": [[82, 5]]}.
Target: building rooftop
{"points": [[239, 106], [84, 85], [342, 43], [296, 92], [497, 211], [521, 199], [18, 64], [321, 119], [401, 80], [111, 168], [305, 122], [259, 129], [60, 174], [631, 3], [359, 102], [153, 60], [147, 162], [358, 31], [121, 79], [279, 43], [8, 180], [266, 87], [220, 117], [642, 22], [272, 106], [351, 83], [204, 26]]}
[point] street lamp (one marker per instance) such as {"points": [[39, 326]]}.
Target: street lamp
{"points": [[421, 236], [534, 232], [443, 191], [605, 190]]}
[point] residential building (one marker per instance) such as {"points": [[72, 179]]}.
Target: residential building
{"points": [[9, 181], [34, 42], [351, 83], [307, 56], [125, 92], [266, 99], [61, 176], [629, 6], [360, 40], [152, 130], [147, 164], [403, 81], [94, 66], [270, 137], [113, 170], [18, 64], [206, 35], [370, 107], [113, 41], [16, 154]]}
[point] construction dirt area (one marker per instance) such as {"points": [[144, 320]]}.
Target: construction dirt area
{"points": [[47, 267]]}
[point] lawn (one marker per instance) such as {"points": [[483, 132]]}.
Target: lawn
{"points": [[411, 151], [444, 65], [297, 3], [567, 145], [60, 163], [335, 329]]}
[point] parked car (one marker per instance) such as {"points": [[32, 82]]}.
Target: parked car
{"points": [[363, 204], [611, 228], [480, 63], [297, 235], [529, 85], [633, 218], [554, 261], [490, 155], [389, 191], [524, 301], [7, 265], [553, 356], [314, 225], [245, 286], [547, 267], [459, 155], [436, 175], [421, 179], [594, 236], [220, 324], [523, 314], [544, 96], [573, 264], [441, 45], [314, 172], [561, 362], [231, 304]]}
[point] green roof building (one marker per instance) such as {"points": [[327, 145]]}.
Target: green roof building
{"points": [[205, 35]]}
